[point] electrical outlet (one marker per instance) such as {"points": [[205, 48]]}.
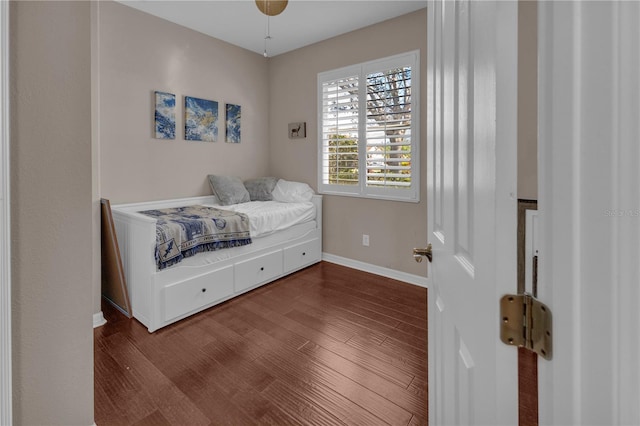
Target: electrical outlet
{"points": [[365, 240]]}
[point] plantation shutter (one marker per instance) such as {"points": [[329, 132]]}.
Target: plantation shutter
{"points": [[340, 138], [388, 128], [369, 129]]}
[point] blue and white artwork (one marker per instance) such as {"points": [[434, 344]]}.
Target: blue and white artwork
{"points": [[200, 119], [165, 116], [233, 123]]}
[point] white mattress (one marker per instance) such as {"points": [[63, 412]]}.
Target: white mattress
{"points": [[267, 217]]}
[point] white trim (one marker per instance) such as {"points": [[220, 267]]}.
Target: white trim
{"points": [[6, 403], [95, 155], [589, 211], [378, 270], [98, 320], [506, 204]]}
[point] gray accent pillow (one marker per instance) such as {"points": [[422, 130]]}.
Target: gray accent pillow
{"points": [[229, 189], [260, 188]]}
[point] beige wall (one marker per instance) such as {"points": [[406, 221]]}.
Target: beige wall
{"points": [[139, 54], [51, 213], [528, 100], [394, 227]]}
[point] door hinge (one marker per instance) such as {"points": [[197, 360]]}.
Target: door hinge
{"points": [[526, 322]]}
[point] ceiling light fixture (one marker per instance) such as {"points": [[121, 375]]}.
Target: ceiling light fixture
{"points": [[270, 8]]}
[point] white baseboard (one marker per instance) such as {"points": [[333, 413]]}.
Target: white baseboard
{"points": [[378, 270], [98, 320]]}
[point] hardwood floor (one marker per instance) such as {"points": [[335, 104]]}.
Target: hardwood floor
{"points": [[328, 345]]}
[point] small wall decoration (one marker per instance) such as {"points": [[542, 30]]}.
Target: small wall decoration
{"points": [[200, 119], [165, 116], [297, 130], [233, 123]]}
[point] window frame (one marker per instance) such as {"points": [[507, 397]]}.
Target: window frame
{"points": [[361, 190]]}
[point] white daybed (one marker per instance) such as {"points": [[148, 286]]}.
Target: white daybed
{"points": [[161, 297]]}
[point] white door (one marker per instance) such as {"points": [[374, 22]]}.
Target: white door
{"points": [[589, 210], [472, 216]]}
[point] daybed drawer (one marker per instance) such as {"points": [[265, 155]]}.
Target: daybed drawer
{"points": [[302, 254], [190, 295], [258, 270]]}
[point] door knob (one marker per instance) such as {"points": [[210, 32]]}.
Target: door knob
{"points": [[418, 253]]}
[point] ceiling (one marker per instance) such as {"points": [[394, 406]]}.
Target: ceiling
{"points": [[302, 23]]}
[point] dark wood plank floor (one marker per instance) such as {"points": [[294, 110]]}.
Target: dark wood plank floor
{"points": [[327, 345]]}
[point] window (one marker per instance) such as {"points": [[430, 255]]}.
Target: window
{"points": [[368, 134]]}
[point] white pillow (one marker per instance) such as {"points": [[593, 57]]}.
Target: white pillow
{"points": [[292, 192]]}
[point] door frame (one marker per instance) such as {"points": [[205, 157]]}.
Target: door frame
{"points": [[5, 225], [589, 210]]}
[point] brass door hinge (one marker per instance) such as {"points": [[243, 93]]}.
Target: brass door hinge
{"points": [[526, 322]]}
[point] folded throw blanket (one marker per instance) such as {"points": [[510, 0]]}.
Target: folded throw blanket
{"points": [[185, 231]]}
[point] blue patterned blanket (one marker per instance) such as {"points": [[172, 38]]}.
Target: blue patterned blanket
{"points": [[185, 231]]}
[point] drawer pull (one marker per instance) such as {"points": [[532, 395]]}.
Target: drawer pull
{"points": [[204, 290], [262, 268], [304, 253]]}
